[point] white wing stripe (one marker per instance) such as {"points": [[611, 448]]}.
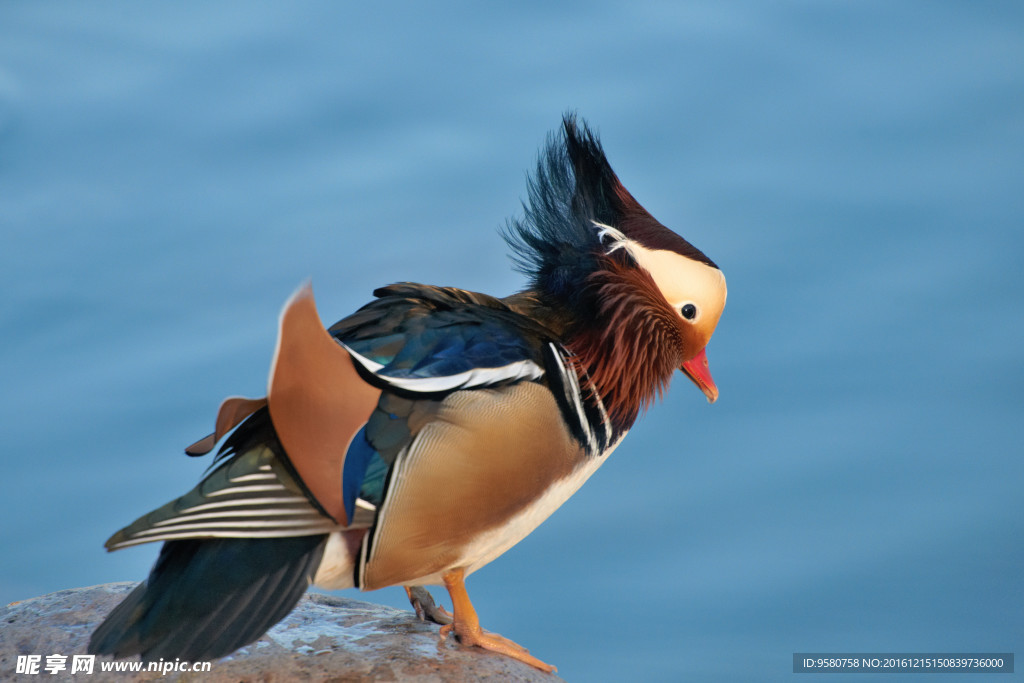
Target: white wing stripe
{"points": [[523, 369], [243, 501], [282, 533], [258, 524], [246, 489], [256, 476], [253, 512]]}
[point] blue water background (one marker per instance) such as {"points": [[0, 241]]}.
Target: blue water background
{"points": [[170, 173]]}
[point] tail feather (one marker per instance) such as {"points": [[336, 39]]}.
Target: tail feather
{"points": [[206, 598]]}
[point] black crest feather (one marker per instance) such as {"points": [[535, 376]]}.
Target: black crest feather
{"points": [[556, 243]]}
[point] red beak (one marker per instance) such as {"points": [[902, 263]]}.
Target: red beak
{"points": [[697, 369]]}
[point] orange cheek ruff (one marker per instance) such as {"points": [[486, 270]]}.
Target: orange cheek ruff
{"points": [[631, 356]]}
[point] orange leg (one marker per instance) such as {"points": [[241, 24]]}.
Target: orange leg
{"points": [[466, 625]]}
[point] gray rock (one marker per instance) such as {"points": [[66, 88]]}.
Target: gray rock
{"points": [[325, 638]]}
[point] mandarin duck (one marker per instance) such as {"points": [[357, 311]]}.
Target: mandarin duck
{"points": [[427, 433]]}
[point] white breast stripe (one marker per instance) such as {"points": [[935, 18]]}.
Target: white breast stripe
{"points": [[569, 378], [606, 423], [604, 414], [477, 377]]}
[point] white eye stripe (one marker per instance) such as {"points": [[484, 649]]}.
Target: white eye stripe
{"points": [[681, 280]]}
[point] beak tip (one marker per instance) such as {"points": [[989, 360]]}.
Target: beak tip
{"points": [[697, 370]]}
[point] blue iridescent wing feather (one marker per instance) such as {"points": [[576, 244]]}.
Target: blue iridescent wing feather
{"points": [[431, 339], [419, 344]]}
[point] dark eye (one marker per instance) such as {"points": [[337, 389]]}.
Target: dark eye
{"points": [[689, 311]]}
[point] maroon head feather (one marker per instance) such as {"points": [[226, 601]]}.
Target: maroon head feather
{"points": [[640, 342]]}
